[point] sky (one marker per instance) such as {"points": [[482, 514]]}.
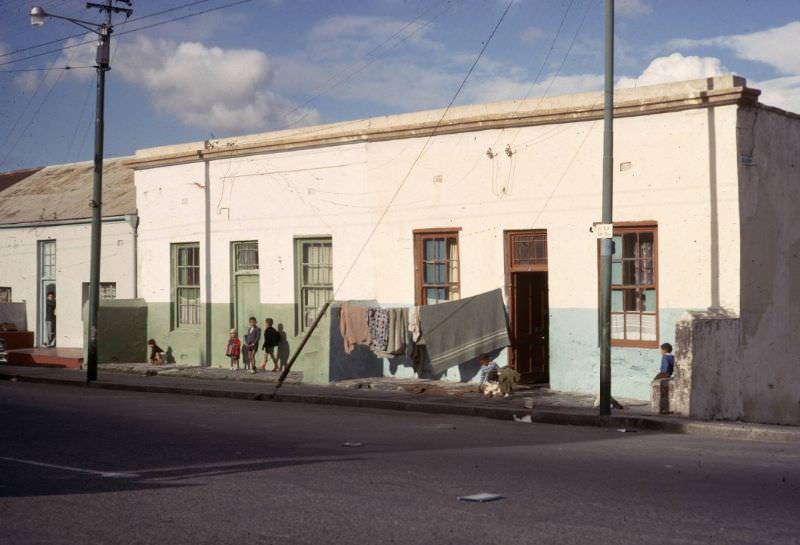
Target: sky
{"points": [[264, 65]]}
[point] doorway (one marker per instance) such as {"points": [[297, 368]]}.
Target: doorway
{"points": [[529, 310], [245, 282], [46, 272]]}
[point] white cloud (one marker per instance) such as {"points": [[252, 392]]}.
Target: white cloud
{"points": [[775, 46], [781, 92], [675, 67], [533, 34], [222, 90], [632, 7], [27, 82]]}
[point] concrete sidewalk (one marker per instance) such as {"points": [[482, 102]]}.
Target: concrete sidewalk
{"points": [[419, 395]]}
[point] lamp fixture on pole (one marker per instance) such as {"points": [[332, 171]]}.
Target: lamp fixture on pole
{"points": [[103, 31]]}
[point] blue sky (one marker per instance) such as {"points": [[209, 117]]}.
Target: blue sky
{"points": [[269, 64]]}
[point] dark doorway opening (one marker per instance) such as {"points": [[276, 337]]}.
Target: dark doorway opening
{"points": [[529, 311]]}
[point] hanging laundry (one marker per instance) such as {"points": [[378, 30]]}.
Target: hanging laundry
{"points": [[414, 326], [378, 319], [354, 326], [458, 331], [397, 332]]}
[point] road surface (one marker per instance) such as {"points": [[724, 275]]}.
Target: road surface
{"points": [[104, 467]]}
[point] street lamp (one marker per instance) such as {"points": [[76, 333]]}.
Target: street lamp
{"points": [[103, 31]]}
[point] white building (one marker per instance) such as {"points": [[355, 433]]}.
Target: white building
{"points": [[44, 243], [414, 208]]}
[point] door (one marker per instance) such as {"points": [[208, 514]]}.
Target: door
{"points": [[247, 301], [529, 308], [47, 284], [529, 326]]}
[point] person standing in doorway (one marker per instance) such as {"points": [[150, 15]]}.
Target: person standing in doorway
{"points": [[251, 340], [50, 318]]}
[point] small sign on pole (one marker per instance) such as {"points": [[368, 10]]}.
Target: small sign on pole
{"points": [[604, 230]]}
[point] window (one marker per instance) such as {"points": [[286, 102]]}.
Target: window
{"points": [[314, 272], [5, 295], [186, 284], [108, 291], [245, 257], [436, 265], [528, 251], [634, 277]]}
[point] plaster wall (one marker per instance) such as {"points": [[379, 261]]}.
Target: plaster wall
{"points": [[19, 268], [678, 169], [770, 266]]}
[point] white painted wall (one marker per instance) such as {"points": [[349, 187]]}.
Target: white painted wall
{"points": [[552, 181], [19, 266]]}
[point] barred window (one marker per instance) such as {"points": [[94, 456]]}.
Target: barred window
{"points": [[5, 295], [245, 257], [634, 291], [186, 284], [108, 291], [314, 273]]}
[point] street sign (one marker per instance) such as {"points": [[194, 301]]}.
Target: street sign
{"points": [[604, 230]]}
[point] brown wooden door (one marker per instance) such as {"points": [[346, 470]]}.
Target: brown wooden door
{"points": [[529, 326]]}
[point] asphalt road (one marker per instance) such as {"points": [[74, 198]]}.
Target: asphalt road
{"points": [[104, 467]]}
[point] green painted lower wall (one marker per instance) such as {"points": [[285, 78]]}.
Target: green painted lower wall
{"points": [[187, 344], [121, 331], [575, 355]]}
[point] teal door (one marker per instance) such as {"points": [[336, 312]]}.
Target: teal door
{"points": [[248, 302]]}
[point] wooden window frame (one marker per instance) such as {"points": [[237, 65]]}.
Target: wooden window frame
{"points": [[300, 286], [621, 228], [177, 323], [420, 236]]}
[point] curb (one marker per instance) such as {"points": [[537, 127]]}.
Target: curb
{"points": [[719, 430]]}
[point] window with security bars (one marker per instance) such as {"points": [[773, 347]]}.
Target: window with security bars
{"points": [[437, 266], [245, 257], [634, 290], [186, 284], [528, 249], [314, 270], [5, 295], [108, 291]]}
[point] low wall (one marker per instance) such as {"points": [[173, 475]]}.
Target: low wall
{"points": [[121, 331], [708, 380]]}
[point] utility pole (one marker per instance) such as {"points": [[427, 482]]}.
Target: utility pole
{"points": [[607, 244], [103, 31]]}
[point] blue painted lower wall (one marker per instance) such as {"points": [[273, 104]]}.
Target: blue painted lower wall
{"points": [[575, 355]]}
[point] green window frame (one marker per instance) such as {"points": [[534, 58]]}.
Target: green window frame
{"points": [[313, 277], [186, 306]]}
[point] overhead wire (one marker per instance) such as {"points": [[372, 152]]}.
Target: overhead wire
{"points": [[422, 151]]}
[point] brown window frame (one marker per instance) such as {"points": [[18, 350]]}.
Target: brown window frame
{"points": [[420, 236], [620, 229]]}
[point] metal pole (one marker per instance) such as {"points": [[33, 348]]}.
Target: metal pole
{"points": [[607, 244], [207, 243], [97, 196], [297, 352]]}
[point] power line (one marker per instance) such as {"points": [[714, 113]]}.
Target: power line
{"points": [[44, 69], [126, 22], [145, 27], [422, 151]]}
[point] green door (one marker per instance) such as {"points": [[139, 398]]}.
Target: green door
{"points": [[248, 301]]}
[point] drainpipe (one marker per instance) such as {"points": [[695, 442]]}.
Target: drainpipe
{"points": [[207, 229], [133, 221]]}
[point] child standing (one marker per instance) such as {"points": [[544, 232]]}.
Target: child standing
{"points": [[271, 341], [233, 349], [667, 362], [251, 339]]}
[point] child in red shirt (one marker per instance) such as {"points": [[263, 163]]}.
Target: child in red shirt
{"points": [[233, 349]]}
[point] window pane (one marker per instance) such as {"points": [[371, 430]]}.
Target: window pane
{"points": [[632, 327], [631, 299], [617, 326], [616, 301], [616, 272], [246, 256], [649, 327], [649, 300], [5, 295], [617, 247], [435, 295]]}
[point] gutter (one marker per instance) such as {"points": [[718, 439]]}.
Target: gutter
{"points": [[58, 223]]}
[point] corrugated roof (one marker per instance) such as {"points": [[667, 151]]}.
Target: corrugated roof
{"points": [[63, 192]]}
